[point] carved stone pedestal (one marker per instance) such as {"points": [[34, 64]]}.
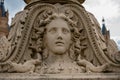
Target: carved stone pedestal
{"points": [[82, 76]]}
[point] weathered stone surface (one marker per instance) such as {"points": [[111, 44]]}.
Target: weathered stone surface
{"points": [[66, 36], [85, 76]]}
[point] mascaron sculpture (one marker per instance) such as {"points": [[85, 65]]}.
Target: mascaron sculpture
{"points": [[50, 37]]}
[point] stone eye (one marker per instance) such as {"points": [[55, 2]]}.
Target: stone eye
{"points": [[65, 31], [53, 30]]}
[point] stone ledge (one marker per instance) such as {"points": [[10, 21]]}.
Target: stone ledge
{"points": [[81, 76]]}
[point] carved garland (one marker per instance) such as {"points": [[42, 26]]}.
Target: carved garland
{"points": [[19, 45], [98, 52], [80, 11], [27, 30], [84, 18]]}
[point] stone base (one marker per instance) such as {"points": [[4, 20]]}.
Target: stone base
{"points": [[81, 76]]}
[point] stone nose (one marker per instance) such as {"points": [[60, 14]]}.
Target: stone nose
{"points": [[59, 35]]}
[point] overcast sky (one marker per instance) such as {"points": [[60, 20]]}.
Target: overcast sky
{"points": [[109, 9]]}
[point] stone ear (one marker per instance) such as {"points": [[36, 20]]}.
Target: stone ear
{"points": [[44, 42]]}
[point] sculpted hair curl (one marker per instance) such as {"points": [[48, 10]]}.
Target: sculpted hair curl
{"points": [[75, 48]]}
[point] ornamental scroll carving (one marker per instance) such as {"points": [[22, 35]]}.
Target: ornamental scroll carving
{"points": [[77, 42]]}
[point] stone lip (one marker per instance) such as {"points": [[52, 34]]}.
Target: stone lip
{"points": [[80, 1], [81, 76]]}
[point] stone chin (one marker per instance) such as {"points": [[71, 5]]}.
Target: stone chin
{"points": [[80, 1], [59, 50]]}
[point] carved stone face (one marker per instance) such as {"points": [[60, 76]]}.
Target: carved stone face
{"points": [[58, 36]]}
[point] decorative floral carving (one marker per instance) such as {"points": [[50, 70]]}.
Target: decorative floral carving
{"points": [[27, 39], [4, 48]]}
